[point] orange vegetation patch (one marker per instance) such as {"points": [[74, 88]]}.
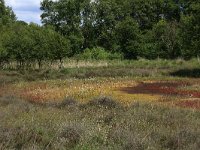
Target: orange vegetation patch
{"points": [[82, 90], [125, 91]]}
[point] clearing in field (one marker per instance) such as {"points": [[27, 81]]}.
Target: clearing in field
{"points": [[124, 90]]}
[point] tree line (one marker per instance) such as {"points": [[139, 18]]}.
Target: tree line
{"points": [[130, 29]]}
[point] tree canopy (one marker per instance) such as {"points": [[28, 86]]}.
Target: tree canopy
{"points": [[97, 23], [130, 29]]}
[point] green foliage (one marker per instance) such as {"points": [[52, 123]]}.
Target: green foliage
{"points": [[28, 44], [98, 53], [128, 34], [190, 31], [101, 30], [147, 46], [7, 17], [95, 54], [139, 28], [6, 14], [64, 15], [3, 53], [166, 39]]}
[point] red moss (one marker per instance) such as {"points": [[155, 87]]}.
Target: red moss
{"points": [[169, 89], [160, 88]]}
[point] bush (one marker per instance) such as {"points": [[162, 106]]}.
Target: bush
{"points": [[70, 136], [116, 56], [126, 139], [99, 53], [69, 101], [105, 102], [8, 100], [21, 138]]}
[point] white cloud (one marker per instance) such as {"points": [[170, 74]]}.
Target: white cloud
{"points": [[28, 16], [26, 10], [20, 3]]}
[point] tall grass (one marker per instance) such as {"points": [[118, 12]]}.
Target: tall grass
{"points": [[140, 63], [114, 68]]}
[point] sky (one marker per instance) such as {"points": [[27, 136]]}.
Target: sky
{"points": [[26, 10]]}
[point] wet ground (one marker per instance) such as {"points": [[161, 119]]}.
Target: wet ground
{"points": [[188, 98], [181, 93]]}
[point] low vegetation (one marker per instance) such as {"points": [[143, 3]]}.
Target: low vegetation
{"points": [[107, 110], [99, 124]]}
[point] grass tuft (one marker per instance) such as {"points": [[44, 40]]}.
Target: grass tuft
{"points": [[104, 101], [70, 136], [69, 101]]}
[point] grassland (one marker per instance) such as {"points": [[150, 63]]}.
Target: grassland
{"points": [[116, 105]]}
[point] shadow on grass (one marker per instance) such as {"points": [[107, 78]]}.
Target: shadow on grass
{"points": [[194, 73]]}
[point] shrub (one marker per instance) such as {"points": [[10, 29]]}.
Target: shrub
{"points": [[70, 136], [116, 56], [69, 101], [103, 101], [98, 53], [7, 100], [21, 138], [126, 139]]}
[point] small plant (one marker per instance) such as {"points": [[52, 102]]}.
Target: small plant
{"points": [[70, 136], [68, 101], [104, 101], [126, 139], [99, 53], [7, 100]]}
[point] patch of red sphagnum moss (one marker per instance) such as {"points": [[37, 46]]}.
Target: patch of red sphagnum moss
{"points": [[169, 89]]}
